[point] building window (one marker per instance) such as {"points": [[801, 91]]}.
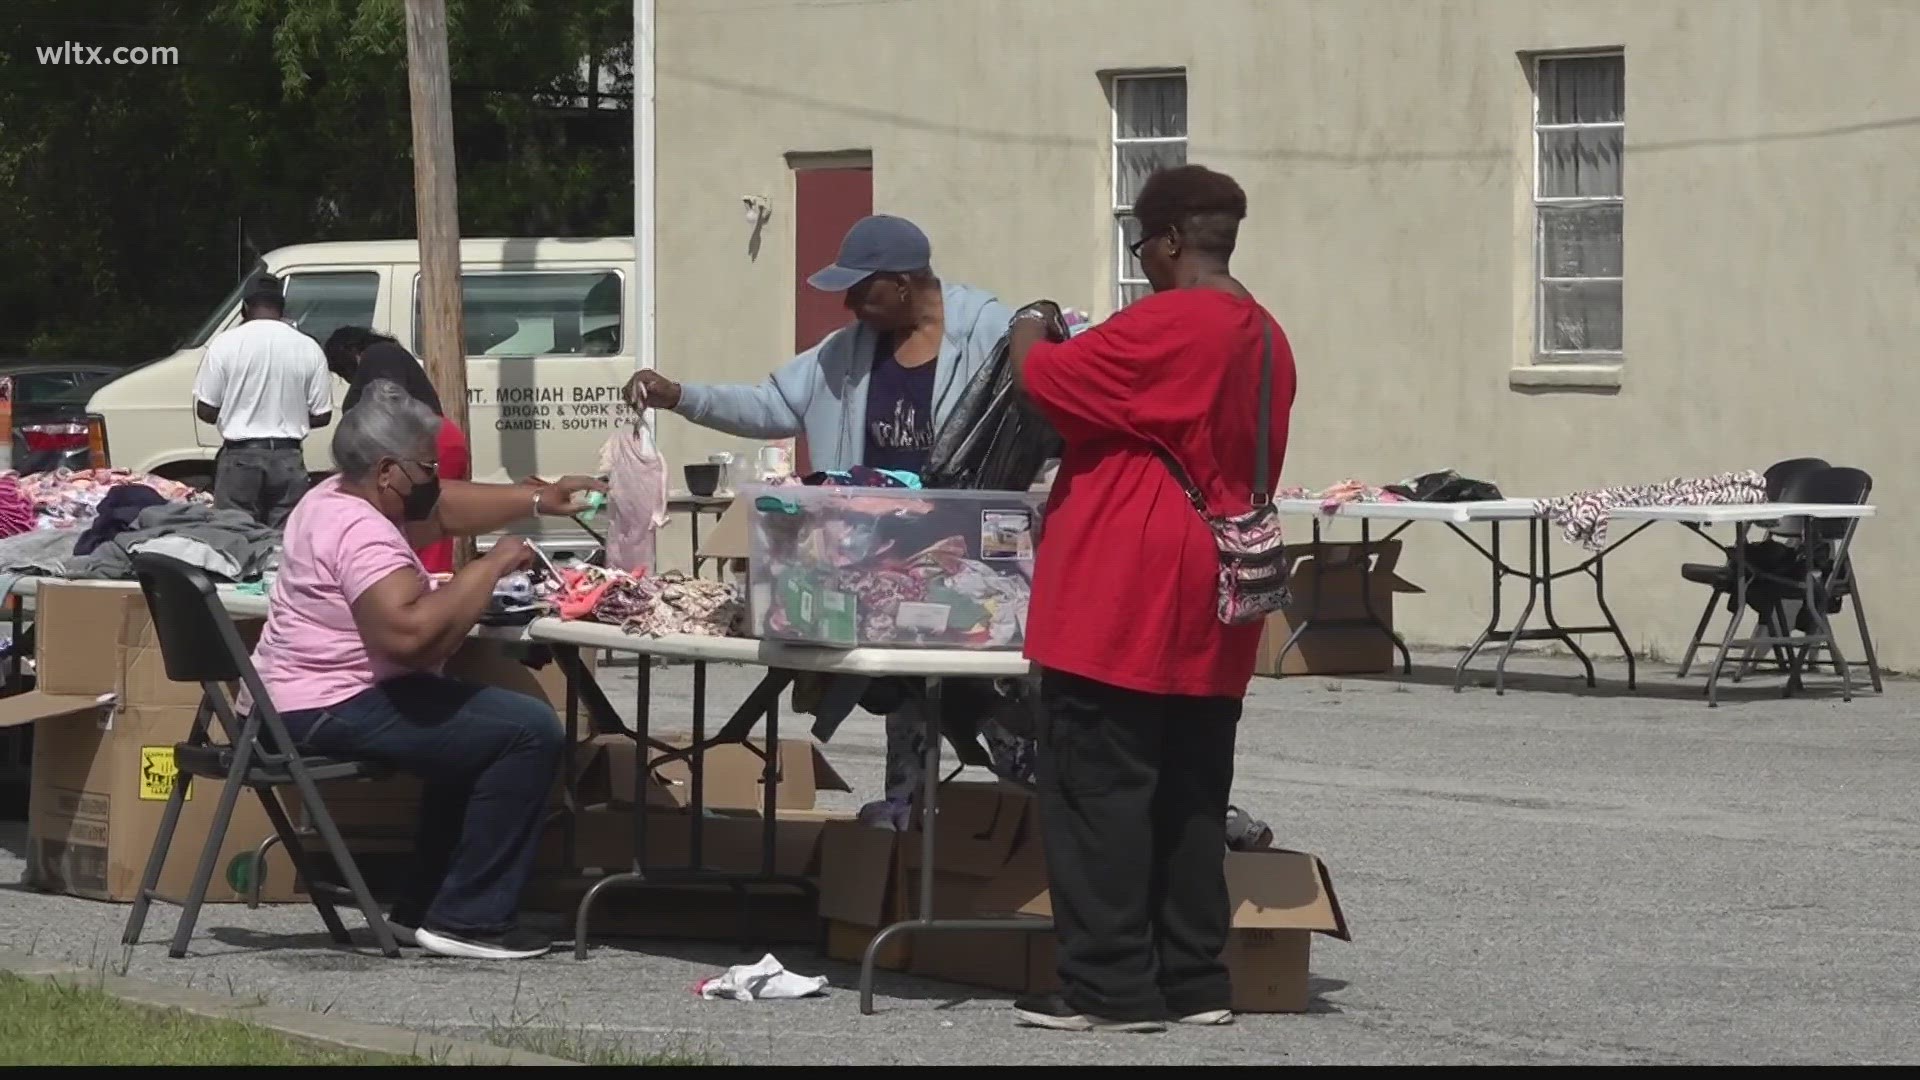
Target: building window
{"points": [[1149, 134], [1579, 139]]}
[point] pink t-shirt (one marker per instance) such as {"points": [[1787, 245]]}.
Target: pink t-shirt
{"points": [[336, 547]]}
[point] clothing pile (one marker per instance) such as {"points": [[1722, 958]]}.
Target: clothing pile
{"points": [[16, 509], [228, 544], [69, 498], [1583, 516], [670, 603], [1444, 486], [649, 606], [1346, 491]]}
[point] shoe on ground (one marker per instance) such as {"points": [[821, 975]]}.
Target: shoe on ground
{"points": [[1210, 1018], [511, 945], [1051, 1011]]}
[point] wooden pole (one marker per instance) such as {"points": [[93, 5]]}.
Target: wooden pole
{"points": [[436, 206]]}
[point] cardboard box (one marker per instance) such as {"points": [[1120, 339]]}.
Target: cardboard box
{"points": [[989, 863], [105, 720], [1335, 644], [859, 892], [733, 775], [603, 840]]}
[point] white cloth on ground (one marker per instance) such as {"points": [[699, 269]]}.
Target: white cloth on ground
{"points": [[768, 980]]}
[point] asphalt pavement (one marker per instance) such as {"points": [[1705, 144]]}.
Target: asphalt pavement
{"points": [[1553, 876]]}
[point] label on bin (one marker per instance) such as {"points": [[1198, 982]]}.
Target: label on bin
{"points": [[157, 772]]}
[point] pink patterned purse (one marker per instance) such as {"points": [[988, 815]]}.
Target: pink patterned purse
{"points": [[1253, 564]]}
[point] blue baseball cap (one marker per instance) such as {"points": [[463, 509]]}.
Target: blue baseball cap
{"points": [[875, 245]]}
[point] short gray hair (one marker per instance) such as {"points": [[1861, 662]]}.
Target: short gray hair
{"points": [[387, 422]]}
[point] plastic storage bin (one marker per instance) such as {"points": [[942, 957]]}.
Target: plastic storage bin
{"points": [[892, 567]]}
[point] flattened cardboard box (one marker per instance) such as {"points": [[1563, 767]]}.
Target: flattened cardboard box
{"points": [[1335, 650]]}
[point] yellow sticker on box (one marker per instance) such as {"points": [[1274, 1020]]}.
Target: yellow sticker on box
{"points": [[157, 772]]}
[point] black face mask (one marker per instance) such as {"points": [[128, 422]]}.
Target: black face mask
{"points": [[417, 504]]}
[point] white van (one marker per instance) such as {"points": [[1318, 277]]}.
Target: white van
{"points": [[549, 346]]}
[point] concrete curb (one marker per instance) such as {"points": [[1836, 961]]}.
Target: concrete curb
{"points": [[310, 1027]]}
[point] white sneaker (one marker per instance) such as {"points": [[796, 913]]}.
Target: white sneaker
{"points": [[512, 945], [1210, 1018]]}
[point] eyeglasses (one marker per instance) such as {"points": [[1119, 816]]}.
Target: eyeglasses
{"points": [[1145, 240]]}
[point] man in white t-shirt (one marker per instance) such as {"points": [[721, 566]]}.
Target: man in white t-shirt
{"points": [[265, 385]]}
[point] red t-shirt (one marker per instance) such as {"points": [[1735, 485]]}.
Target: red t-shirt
{"points": [[1124, 581], [450, 445]]}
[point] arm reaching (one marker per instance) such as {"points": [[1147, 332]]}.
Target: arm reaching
{"points": [[771, 409]]}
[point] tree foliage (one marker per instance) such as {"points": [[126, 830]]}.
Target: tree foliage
{"points": [[132, 197]]}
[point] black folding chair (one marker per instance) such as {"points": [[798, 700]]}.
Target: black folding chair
{"points": [[1719, 576], [1804, 596], [200, 644]]}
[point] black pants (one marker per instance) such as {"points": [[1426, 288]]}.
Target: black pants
{"points": [[1133, 809], [265, 483]]}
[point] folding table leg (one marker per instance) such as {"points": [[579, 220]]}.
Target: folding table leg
{"points": [[1498, 573], [1739, 612]]}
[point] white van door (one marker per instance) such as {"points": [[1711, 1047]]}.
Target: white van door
{"points": [[547, 356]]}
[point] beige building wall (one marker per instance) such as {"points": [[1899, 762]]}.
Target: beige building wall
{"points": [[1772, 236]]}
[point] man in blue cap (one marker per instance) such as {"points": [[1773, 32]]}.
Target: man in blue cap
{"points": [[872, 393]]}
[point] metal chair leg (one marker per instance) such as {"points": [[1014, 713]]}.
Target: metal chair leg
{"points": [[1866, 637], [1699, 633], [210, 852], [302, 867], [156, 862]]}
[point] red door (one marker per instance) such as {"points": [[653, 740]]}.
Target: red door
{"points": [[827, 201]]}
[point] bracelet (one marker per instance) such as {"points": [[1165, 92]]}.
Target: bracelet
{"points": [[1031, 313], [536, 502]]}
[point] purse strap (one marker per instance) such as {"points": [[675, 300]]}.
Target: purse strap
{"points": [[1262, 493]]}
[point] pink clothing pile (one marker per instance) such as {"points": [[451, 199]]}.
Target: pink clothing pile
{"points": [[69, 498], [16, 509], [1346, 491]]}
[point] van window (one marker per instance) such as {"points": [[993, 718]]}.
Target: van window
{"points": [[321, 303], [538, 314]]}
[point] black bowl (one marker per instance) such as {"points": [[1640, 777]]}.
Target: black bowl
{"points": [[702, 480]]}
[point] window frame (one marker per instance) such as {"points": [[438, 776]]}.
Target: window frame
{"points": [[619, 275], [292, 275], [1123, 212], [1541, 280]]}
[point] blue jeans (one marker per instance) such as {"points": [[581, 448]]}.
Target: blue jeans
{"points": [[489, 758]]}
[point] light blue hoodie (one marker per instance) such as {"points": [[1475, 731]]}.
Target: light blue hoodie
{"points": [[822, 393]]}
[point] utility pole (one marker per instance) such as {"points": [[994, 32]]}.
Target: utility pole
{"points": [[436, 210], [436, 207]]}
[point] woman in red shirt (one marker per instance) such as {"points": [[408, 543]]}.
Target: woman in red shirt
{"points": [[1141, 681], [361, 355]]}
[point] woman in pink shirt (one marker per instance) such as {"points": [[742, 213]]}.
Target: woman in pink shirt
{"points": [[355, 637]]}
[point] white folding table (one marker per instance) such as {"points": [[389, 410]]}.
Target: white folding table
{"points": [[1457, 517]]}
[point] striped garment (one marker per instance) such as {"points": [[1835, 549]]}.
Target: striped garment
{"points": [[1583, 516]]}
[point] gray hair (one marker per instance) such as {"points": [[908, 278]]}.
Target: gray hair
{"points": [[387, 422]]}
